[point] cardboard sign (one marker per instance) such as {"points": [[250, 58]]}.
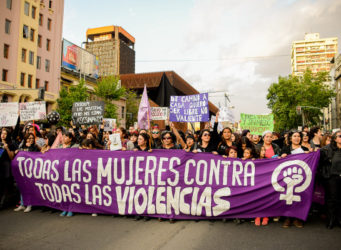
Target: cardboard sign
{"points": [[32, 111], [189, 108], [225, 115], [8, 114], [257, 124], [109, 124], [159, 113], [87, 112], [116, 143]]}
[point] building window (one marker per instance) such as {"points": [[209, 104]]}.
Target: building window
{"points": [[47, 65], [29, 81], [27, 9], [48, 44], [49, 22], [4, 75], [46, 85], [38, 62], [37, 83], [33, 12], [7, 26], [32, 35], [23, 55], [9, 4], [31, 58], [22, 79], [25, 32], [39, 41], [122, 115], [41, 19], [50, 4], [6, 50]]}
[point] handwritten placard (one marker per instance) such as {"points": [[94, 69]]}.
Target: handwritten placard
{"points": [[159, 113], [109, 124], [257, 124], [30, 111], [190, 108], [225, 115], [87, 112], [116, 143], [8, 114]]}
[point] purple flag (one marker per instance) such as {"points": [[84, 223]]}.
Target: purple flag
{"points": [[144, 114], [166, 183]]}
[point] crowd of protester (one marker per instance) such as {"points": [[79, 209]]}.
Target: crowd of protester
{"points": [[227, 143]]}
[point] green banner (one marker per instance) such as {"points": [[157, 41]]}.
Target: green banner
{"points": [[257, 124]]}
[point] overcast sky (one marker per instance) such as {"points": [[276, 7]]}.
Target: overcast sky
{"points": [[238, 46]]}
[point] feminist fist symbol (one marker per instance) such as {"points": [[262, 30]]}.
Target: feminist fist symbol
{"points": [[292, 177]]}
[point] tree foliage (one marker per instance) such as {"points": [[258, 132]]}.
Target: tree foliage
{"points": [[108, 89], [76, 93], [289, 92], [132, 104]]}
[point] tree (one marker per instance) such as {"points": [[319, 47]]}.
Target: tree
{"points": [[292, 91], [76, 93], [132, 104], [108, 89]]}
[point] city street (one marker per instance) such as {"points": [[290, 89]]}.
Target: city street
{"points": [[45, 230]]}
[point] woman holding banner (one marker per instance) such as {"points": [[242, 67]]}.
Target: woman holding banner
{"points": [[331, 170], [7, 150], [294, 147], [30, 146]]}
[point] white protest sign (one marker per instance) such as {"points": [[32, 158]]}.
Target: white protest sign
{"points": [[32, 111], [109, 124], [225, 115], [220, 126], [115, 140], [8, 114], [159, 113]]}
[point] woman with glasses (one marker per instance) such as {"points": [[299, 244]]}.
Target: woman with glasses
{"points": [[330, 162], [156, 137], [169, 140], [205, 143], [30, 146]]}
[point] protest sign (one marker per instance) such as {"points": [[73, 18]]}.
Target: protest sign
{"points": [[225, 115], [189, 108], [166, 183], [109, 124], [32, 111], [257, 124], [8, 114], [87, 112], [159, 113], [116, 143]]}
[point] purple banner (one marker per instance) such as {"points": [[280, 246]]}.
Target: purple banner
{"points": [[166, 183], [189, 108]]}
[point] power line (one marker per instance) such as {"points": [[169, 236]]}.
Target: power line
{"points": [[250, 58]]}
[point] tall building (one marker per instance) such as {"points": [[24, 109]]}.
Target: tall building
{"points": [[314, 53], [114, 48], [30, 40]]}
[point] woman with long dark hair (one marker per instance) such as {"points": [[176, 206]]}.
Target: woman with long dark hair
{"points": [[226, 141], [205, 143], [330, 163]]}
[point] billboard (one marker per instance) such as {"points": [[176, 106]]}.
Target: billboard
{"points": [[78, 59]]}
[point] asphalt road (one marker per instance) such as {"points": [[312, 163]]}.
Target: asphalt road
{"points": [[45, 230]]}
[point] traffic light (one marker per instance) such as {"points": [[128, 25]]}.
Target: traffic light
{"points": [[41, 94]]}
